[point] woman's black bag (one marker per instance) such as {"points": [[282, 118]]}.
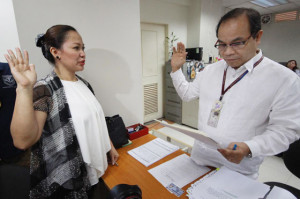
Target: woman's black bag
{"points": [[117, 130]]}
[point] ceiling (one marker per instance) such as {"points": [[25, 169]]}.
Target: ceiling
{"points": [[292, 5]]}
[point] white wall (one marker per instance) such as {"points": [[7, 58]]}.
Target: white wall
{"points": [[111, 32], [211, 12], [203, 18], [280, 41], [172, 13], [193, 30], [193, 21], [8, 35]]}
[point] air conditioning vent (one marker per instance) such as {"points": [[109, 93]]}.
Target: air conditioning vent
{"points": [[265, 19], [286, 16], [150, 99]]}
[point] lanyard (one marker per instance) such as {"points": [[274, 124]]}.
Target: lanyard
{"points": [[237, 80]]}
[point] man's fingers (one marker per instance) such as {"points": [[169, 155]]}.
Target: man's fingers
{"points": [[183, 47], [227, 154], [174, 50], [180, 47]]}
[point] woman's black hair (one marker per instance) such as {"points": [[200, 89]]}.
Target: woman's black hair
{"points": [[295, 67], [54, 37], [252, 15]]}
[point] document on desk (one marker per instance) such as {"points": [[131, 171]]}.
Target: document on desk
{"points": [[199, 135], [278, 192], [181, 170], [153, 151], [227, 184]]}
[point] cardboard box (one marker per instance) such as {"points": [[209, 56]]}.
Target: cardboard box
{"points": [[137, 134]]}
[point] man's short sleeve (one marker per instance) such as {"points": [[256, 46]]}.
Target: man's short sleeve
{"points": [[42, 100]]}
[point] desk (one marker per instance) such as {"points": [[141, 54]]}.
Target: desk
{"points": [[131, 171]]}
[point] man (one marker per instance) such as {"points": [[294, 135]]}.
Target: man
{"points": [[248, 103], [9, 154]]}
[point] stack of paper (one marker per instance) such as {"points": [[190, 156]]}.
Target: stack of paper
{"points": [[196, 134], [277, 192], [228, 184], [153, 151], [180, 171]]}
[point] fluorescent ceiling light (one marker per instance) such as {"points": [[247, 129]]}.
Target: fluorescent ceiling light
{"points": [[269, 3], [282, 1]]}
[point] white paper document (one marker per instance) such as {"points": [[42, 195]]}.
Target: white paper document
{"points": [[277, 192], [227, 184], [181, 170], [199, 135], [153, 151]]}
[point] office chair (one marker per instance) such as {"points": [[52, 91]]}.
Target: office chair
{"points": [[14, 181], [283, 63], [291, 161], [290, 158]]}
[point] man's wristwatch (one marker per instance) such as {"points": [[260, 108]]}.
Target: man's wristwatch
{"points": [[249, 155]]}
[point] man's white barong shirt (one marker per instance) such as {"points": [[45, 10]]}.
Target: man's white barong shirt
{"points": [[262, 110]]}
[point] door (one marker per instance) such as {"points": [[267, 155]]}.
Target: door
{"points": [[153, 62]]}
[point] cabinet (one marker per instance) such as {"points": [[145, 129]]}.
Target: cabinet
{"points": [[174, 108], [189, 109], [190, 113], [172, 102]]}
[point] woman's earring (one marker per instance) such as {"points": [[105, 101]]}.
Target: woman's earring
{"points": [[57, 57]]}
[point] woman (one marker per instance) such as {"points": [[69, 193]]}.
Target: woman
{"points": [[60, 119], [292, 64]]}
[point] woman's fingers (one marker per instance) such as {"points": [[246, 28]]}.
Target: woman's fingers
{"points": [[32, 67], [17, 60], [9, 61], [12, 57], [26, 58], [19, 56]]}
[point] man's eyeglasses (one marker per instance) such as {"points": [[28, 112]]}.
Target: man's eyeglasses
{"points": [[235, 45]]}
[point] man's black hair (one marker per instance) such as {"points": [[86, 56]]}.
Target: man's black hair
{"points": [[252, 15]]}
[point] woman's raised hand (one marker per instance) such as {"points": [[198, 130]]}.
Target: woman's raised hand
{"points": [[23, 72], [178, 57]]}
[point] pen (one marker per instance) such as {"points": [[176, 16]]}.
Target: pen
{"points": [[234, 147]]}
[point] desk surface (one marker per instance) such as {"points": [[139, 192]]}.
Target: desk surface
{"points": [[131, 171]]}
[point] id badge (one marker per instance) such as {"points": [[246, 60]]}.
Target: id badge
{"points": [[214, 115]]}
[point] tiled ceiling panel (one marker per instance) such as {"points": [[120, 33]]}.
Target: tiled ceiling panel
{"points": [[292, 5]]}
